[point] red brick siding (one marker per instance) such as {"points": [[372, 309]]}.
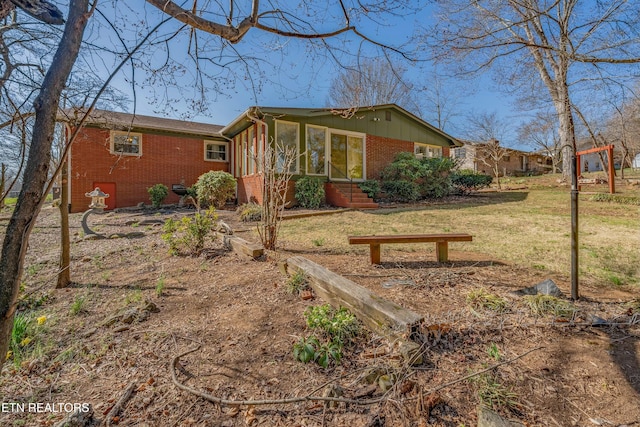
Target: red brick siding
{"points": [[165, 159], [381, 151], [250, 189]]}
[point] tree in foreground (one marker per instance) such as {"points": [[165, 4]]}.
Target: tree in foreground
{"points": [[223, 26], [37, 167]]}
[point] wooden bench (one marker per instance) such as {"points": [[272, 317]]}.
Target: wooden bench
{"points": [[441, 241]]}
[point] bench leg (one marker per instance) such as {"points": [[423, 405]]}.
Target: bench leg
{"points": [[375, 253], [442, 249]]}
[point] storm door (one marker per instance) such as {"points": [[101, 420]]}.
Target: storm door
{"points": [[347, 157]]}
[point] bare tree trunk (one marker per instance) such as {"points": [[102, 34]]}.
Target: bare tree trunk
{"points": [[276, 180], [64, 275], [3, 173], [566, 133], [31, 197]]}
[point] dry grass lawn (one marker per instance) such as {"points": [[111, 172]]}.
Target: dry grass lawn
{"points": [[528, 226]]}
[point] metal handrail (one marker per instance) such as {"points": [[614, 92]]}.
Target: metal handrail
{"points": [[331, 165]]}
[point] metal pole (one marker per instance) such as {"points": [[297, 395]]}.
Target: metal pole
{"points": [[612, 172], [574, 227]]}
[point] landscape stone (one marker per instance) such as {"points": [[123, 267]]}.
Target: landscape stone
{"points": [[488, 418], [546, 287], [596, 320]]}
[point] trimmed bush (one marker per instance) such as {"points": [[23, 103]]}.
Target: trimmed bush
{"points": [[467, 180], [157, 194], [310, 192], [401, 191], [371, 187], [188, 235], [214, 188], [409, 178]]}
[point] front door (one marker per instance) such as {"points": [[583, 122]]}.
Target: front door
{"points": [[347, 157], [110, 189]]}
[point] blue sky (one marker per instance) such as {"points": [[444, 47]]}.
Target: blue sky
{"points": [[286, 72]]}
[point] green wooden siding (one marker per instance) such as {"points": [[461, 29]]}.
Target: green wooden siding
{"points": [[400, 126]]}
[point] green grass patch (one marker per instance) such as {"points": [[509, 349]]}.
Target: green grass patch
{"points": [[78, 305], [616, 198], [26, 338], [481, 299], [543, 305], [296, 283], [500, 222], [494, 394]]}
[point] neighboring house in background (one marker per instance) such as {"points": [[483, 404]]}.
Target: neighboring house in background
{"points": [[476, 157], [636, 162], [125, 154], [596, 162]]}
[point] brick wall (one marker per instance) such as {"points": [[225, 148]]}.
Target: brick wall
{"points": [[381, 151], [250, 189], [165, 159]]}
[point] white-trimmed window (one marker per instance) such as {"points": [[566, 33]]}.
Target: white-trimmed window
{"points": [[287, 137], [427, 151], [126, 143], [459, 153], [316, 150], [215, 151]]}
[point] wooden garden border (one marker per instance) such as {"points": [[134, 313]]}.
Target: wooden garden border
{"points": [[380, 315]]}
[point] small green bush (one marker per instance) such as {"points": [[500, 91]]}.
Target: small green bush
{"points": [[297, 283], [371, 187], [466, 180], [26, 336], [401, 191], [305, 349], [310, 192], [157, 194], [337, 325], [214, 188], [408, 178], [188, 235]]}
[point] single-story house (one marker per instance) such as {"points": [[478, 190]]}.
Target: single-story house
{"points": [[477, 156], [125, 154], [340, 146]]}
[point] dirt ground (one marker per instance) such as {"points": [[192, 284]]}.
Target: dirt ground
{"points": [[240, 315]]}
